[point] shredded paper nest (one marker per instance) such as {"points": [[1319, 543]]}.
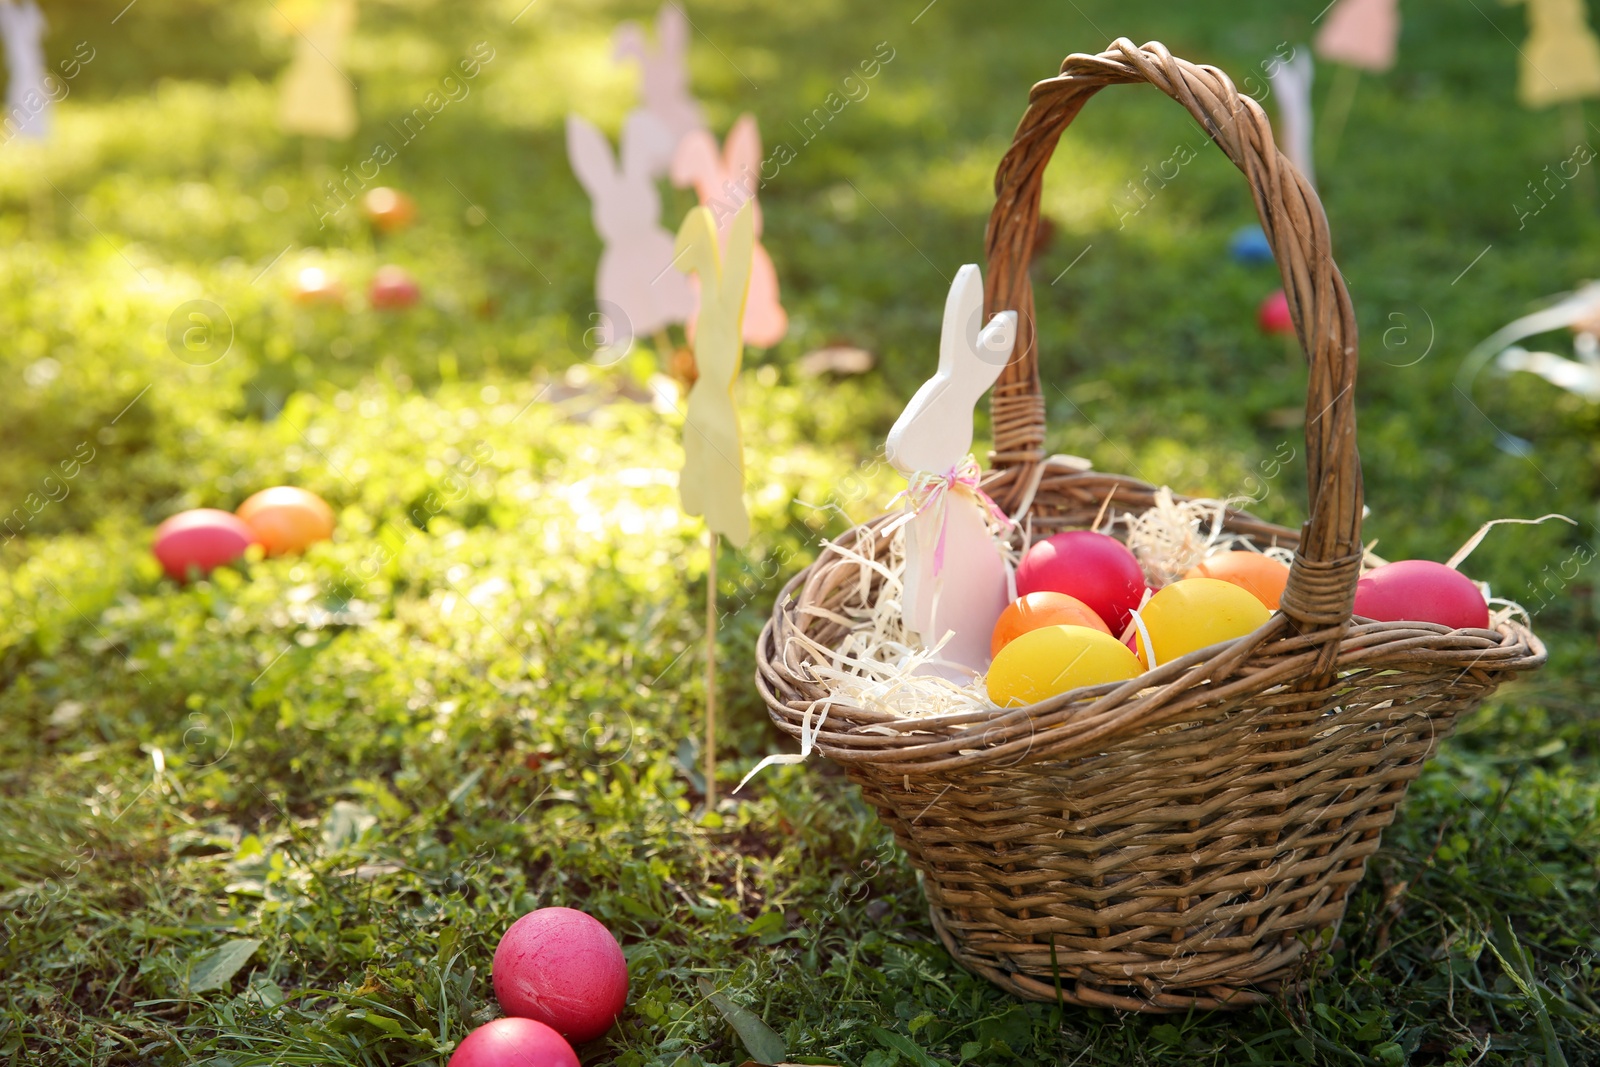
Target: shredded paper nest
{"points": [[876, 665]]}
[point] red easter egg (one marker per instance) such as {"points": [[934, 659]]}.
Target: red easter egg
{"points": [[204, 538], [389, 209], [514, 1043], [1420, 590], [287, 519], [1273, 315], [1098, 570], [393, 289], [563, 968]]}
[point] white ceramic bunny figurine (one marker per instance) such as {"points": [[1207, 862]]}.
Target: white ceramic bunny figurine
{"points": [[635, 288], [955, 578], [725, 181]]}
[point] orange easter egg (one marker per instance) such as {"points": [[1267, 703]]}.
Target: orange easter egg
{"points": [[1259, 574], [287, 518], [1042, 609]]}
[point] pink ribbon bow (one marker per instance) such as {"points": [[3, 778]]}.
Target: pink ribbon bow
{"points": [[928, 490]]}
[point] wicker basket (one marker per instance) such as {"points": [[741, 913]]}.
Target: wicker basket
{"points": [[1185, 839]]}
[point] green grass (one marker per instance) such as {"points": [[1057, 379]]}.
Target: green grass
{"points": [[352, 770]]}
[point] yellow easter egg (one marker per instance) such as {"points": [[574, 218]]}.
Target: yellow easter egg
{"points": [[1195, 613], [1053, 659]]}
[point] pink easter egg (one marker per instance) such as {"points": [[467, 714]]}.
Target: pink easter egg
{"points": [[563, 968], [1420, 590], [203, 538], [393, 289], [514, 1043], [1097, 569], [1273, 314]]}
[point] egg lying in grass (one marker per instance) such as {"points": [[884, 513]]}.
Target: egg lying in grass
{"points": [[1420, 590], [1041, 609], [563, 968], [313, 285], [513, 1043], [1054, 659], [393, 289], [287, 519], [1096, 569], [200, 540], [389, 209], [1195, 613], [1252, 571]]}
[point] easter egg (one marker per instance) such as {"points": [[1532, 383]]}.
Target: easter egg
{"points": [[563, 968], [313, 285], [388, 209], [393, 289], [1094, 568], [1260, 574], [204, 538], [1273, 314], [1420, 590], [1249, 245], [514, 1043], [1195, 613], [1053, 659], [287, 519], [1042, 609]]}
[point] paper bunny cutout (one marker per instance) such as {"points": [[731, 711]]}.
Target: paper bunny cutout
{"points": [[1361, 33], [955, 577], [635, 288], [664, 84], [1291, 83], [712, 483], [27, 96], [317, 98], [725, 181], [1561, 60]]}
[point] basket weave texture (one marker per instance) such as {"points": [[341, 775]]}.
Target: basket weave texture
{"points": [[1185, 839]]}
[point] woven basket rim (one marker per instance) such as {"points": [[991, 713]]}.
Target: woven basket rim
{"points": [[1362, 640]]}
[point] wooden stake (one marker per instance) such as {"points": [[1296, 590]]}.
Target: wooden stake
{"points": [[1336, 112], [1572, 119], [711, 672]]}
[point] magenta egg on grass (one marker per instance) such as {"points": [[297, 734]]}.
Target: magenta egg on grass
{"points": [[1420, 590], [514, 1043], [563, 968], [1273, 314], [201, 539]]}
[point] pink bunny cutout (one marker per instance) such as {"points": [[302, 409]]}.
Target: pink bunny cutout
{"points": [[1361, 33], [665, 75], [724, 182], [636, 288]]}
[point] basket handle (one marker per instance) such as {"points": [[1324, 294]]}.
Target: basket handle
{"points": [[1322, 579]]}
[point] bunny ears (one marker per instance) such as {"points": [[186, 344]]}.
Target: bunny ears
{"points": [[646, 146], [934, 433]]}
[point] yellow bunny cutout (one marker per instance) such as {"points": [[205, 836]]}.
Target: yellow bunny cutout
{"points": [[712, 482], [316, 98], [1561, 59]]}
